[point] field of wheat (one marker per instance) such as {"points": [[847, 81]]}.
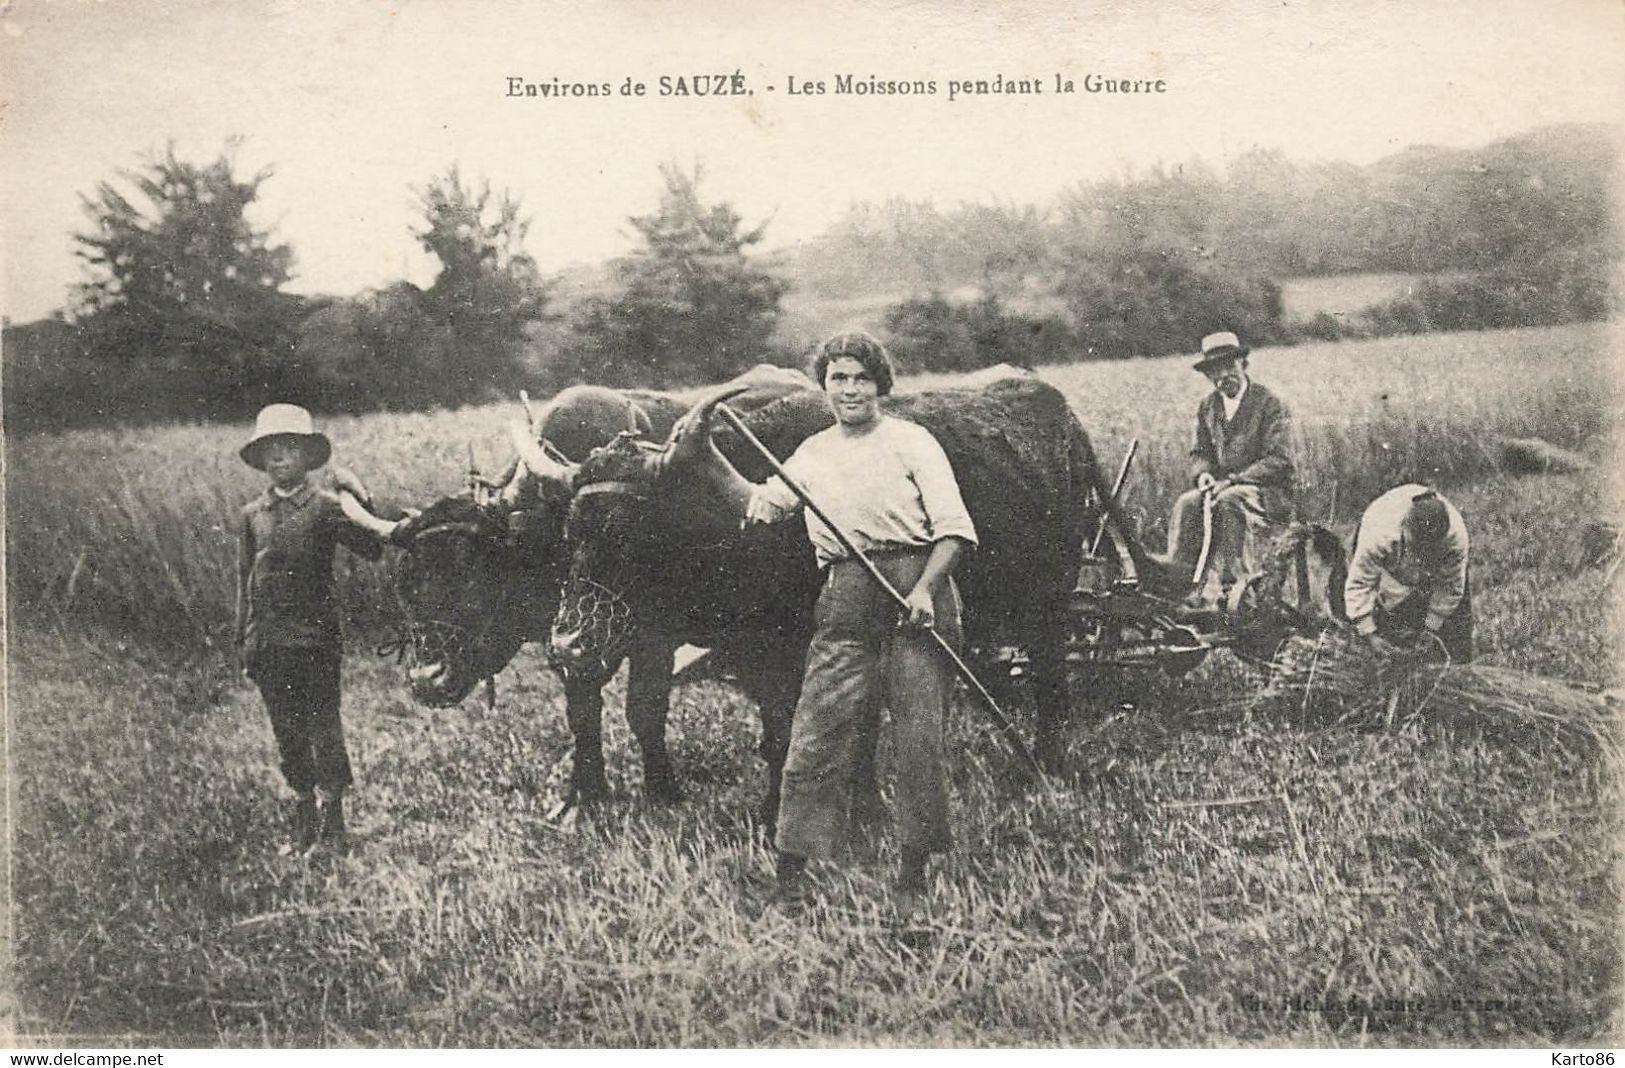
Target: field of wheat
{"points": [[1215, 870]]}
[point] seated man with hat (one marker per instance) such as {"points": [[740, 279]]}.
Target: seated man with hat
{"points": [[1242, 469]]}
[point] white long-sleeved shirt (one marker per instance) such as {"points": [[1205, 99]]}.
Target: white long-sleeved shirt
{"points": [[890, 488], [1385, 570]]}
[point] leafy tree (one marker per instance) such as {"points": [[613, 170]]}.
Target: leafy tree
{"points": [[381, 349], [1151, 302], [692, 306], [184, 288], [488, 290]]}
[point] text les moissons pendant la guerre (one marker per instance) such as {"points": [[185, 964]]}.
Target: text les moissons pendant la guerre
{"points": [[725, 84]]}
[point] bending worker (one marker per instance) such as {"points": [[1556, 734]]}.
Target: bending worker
{"points": [[1408, 576], [1242, 463]]}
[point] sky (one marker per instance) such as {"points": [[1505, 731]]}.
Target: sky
{"points": [[356, 103]]}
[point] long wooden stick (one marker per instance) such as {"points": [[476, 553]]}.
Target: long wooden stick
{"points": [[1117, 491], [1207, 537], [857, 554]]}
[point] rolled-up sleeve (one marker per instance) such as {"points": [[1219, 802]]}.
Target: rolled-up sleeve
{"points": [[1365, 573], [945, 509], [773, 500]]}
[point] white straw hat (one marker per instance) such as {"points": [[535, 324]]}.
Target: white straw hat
{"points": [[285, 420], [1220, 348]]}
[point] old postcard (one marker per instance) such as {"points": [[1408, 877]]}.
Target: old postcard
{"points": [[728, 525]]}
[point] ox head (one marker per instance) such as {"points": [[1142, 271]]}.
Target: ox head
{"points": [[469, 591], [482, 571], [639, 513]]}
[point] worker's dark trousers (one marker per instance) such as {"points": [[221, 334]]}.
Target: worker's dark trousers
{"points": [[1409, 615], [860, 658]]}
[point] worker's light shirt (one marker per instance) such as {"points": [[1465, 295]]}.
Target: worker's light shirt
{"points": [[891, 488], [1384, 570]]}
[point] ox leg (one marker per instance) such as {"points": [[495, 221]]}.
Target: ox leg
{"points": [[648, 699], [773, 681], [584, 706], [1050, 694]]}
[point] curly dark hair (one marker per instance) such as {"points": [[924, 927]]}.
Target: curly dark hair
{"points": [[855, 345]]}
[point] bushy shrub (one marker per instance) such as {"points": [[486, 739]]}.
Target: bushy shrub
{"points": [[933, 334], [1151, 302], [1563, 286]]}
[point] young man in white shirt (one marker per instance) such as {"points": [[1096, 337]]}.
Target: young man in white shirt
{"points": [[888, 485]]}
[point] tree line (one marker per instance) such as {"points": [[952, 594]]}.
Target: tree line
{"points": [[184, 312], [1517, 232]]}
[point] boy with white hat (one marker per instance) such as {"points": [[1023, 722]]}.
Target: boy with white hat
{"points": [[287, 616]]}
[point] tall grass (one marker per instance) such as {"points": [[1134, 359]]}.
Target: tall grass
{"points": [[135, 530], [1205, 879], [1253, 876]]}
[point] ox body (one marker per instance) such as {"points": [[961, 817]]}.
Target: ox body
{"points": [[651, 531], [481, 579]]}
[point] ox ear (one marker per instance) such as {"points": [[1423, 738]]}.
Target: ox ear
{"points": [[690, 439]]}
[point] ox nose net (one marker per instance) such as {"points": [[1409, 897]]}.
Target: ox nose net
{"points": [[436, 641], [430, 641], [598, 618]]}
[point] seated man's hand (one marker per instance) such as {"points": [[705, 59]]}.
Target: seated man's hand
{"points": [[1218, 486], [1204, 480]]}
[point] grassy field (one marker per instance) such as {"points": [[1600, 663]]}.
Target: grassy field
{"points": [[1342, 294], [1210, 877]]}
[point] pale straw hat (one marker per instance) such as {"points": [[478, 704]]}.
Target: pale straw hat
{"points": [[285, 421]]}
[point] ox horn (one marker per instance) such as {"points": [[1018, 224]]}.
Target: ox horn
{"points": [[536, 458], [359, 514], [692, 433]]}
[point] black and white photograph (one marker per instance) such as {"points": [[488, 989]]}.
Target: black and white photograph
{"points": [[864, 525]]}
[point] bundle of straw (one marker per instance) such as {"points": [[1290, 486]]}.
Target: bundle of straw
{"points": [[1336, 676]]}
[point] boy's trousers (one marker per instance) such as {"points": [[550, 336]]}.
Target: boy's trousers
{"points": [[301, 692]]}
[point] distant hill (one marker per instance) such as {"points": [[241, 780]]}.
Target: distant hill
{"points": [[1424, 209]]}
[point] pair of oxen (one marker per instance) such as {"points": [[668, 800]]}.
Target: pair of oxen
{"points": [[606, 542]]}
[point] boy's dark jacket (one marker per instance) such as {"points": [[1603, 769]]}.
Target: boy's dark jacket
{"points": [[285, 596]]}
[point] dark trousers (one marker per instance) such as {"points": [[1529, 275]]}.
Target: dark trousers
{"points": [[1244, 517], [860, 659], [301, 692], [1410, 614]]}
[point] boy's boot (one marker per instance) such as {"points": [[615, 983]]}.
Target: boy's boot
{"points": [[332, 833]]}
